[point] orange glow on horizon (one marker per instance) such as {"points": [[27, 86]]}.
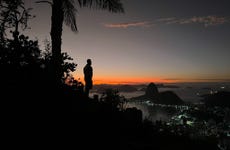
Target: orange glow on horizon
{"points": [[144, 80], [126, 80]]}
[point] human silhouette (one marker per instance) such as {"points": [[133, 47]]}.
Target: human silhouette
{"points": [[88, 74]]}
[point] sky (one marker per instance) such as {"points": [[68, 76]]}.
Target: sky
{"points": [[153, 41]]}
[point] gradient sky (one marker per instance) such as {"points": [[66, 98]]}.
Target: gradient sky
{"points": [[154, 40]]}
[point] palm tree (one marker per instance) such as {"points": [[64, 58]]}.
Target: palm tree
{"points": [[65, 11]]}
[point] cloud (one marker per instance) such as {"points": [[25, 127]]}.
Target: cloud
{"points": [[129, 24], [166, 19], [204, 20]]}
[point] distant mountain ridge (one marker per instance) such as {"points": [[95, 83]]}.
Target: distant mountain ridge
{"points": [[100, 88], [121, 88]]}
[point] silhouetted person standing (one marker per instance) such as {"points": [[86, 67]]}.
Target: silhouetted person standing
{"points": [[88, 74]]}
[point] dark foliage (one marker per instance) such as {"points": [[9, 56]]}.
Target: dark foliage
{"points": [[13, 16], [26, 76], [113, 99]]}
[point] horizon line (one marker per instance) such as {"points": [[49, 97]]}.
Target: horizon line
{"points": [[146, 80], [180, 82]]}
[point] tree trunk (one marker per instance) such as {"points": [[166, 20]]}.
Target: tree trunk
{"points": [[56, 33]]}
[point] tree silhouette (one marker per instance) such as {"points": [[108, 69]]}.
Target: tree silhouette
{"points": [[67, 66], [12, 16], [65, 11], [113, 99], [24, 66]]}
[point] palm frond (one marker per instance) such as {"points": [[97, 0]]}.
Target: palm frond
{"points": [[114, 6], [70, 14]]}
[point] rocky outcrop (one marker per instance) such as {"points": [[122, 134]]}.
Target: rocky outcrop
{"points": [[152, 94], [151, 90]]}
